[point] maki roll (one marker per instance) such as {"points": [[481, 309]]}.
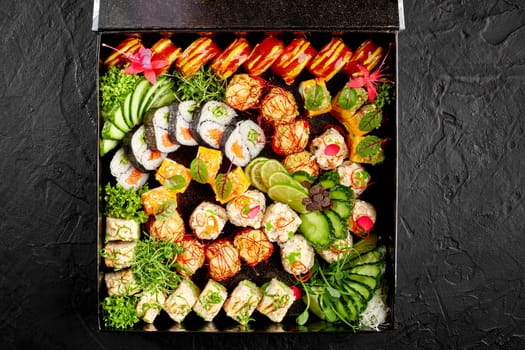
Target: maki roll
{"points": [[277, 299], [329, 149], [247, 210], [211, 122], [121, 283], [338, 250], [156, 123], [223, 260], [354, 175], [244, 92], [242, 302], [210, 300], [253, 245], [207, 220], [280, 222], [149, 305], [121, 230], [136, 147], [181, 116], [178, 305], [192, 258], [297, 255], [126, 174], [242, 142], [363, 218], [119, 254]]}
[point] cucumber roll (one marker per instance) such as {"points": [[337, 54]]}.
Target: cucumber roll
{"points": [[156, 123], [242, 142]]}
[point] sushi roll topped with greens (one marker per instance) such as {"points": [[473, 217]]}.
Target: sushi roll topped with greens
{"points": [[211, 121], [242, 142]]}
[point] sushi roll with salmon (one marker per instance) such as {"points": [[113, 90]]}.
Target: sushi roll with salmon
{"points": [[156, 124], [181, 117], [242, 142], [211, 122], [126, 174], [136, 147], [207, 220]]}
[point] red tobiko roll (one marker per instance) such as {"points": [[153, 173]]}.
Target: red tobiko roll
{"points": [[263, 56], [125, 48], [330, 59], [200, 52], [229, 60], [368, 55], [164, 49], [293, 59]]}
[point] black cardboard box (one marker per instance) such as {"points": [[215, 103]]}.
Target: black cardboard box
{"points": [[317, 22]]}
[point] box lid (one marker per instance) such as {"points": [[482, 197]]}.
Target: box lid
{"points": [[249, 15]]}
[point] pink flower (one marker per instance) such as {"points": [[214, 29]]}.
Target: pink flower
{"points": [[141, 63]]}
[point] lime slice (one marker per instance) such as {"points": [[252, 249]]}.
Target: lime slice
{"points": [[285, 179], [269, 168], [288, 195], [255, 177], [250, 165]]}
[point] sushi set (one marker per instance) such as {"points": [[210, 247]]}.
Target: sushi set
{"points": [[247, 180]]}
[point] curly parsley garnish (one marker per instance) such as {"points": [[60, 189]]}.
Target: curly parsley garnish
{"points": [[124, 204]]}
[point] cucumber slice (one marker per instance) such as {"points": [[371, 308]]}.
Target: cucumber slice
{"points": [[317, 229], [107, 145], [159, 93], [374, 256], [351, 309], [360, 289], [111, 131], [329, 179], [126, 111], [141, 90], [166, 99], [356, 300], [342, 193], [371, 270], [340, 228], [117, 118], [303, 177], [342, 208], [147, 100], [370, 282]]}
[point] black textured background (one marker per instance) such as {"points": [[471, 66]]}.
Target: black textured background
{"points": [[461, 184]]}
